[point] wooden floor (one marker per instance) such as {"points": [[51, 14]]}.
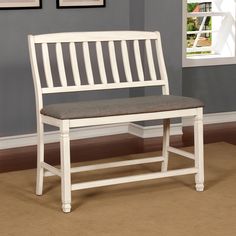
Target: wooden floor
{"points": [[111, 146]]}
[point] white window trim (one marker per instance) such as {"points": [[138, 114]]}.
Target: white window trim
{"points": [[206, 60]]}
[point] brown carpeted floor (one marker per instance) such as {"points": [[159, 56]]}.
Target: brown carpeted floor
{"points": [[165, 207]]}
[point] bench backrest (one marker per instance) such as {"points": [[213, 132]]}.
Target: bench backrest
{"points": [[127, 40]]}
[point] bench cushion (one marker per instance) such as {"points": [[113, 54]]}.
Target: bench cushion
{"points": [[122, 106]]}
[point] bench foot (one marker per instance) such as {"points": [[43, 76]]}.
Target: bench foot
{"points": [[66, 208], [200, 187], [39, 193]]}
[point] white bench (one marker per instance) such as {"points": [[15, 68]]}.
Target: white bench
{"points": [[91, 113]]}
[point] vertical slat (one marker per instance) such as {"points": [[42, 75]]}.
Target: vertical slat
{"points": [[150, 60], [88, 65], [46, 64], [114, 67], [74, 64], [126, 62], [101, 65], [161, 64], [138, 60], [61, 65]]}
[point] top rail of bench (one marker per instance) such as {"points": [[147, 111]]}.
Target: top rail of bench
{"points": [[95, 36]]}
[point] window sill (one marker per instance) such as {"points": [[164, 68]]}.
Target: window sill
{"points": [[211, 60]]}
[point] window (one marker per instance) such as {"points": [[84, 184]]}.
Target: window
{"points": [[208, 32]]}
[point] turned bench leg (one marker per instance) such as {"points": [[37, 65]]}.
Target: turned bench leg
{"points": [[166, 144], [198, 149], [65, 167], [40, 159]]}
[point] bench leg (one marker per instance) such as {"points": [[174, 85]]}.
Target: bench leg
{"points": [[198, 150], [40, 159], [165, 145], [65, 167]]}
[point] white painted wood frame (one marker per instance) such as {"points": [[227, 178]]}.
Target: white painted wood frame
{"points": [[122, 37], [223, 49]]}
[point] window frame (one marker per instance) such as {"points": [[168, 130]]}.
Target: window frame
{"points": [[203, 60]]}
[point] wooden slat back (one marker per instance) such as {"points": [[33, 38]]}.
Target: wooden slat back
{"points": [[87, 62], [47, 65], [138, 60], [74, 64], [126, 61], [113, 61], [101, 64], [150, 60], [126, 40], [61, 66]]}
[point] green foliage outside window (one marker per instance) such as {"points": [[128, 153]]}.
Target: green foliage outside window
{"points": [[191, 6], [193, 24]]}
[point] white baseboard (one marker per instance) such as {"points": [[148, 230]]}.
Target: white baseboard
{"points": [[153, 131], [53, 137], [91, 132], [213, 118], [88, 132]]}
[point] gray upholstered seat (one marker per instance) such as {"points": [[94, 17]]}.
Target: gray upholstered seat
{"points": [[122, 106]]}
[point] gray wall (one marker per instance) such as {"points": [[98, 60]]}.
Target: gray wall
{"points": [[214, 85], [137, 22], [166, 17], [152, 15], [17, 104], [137, 14]]}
